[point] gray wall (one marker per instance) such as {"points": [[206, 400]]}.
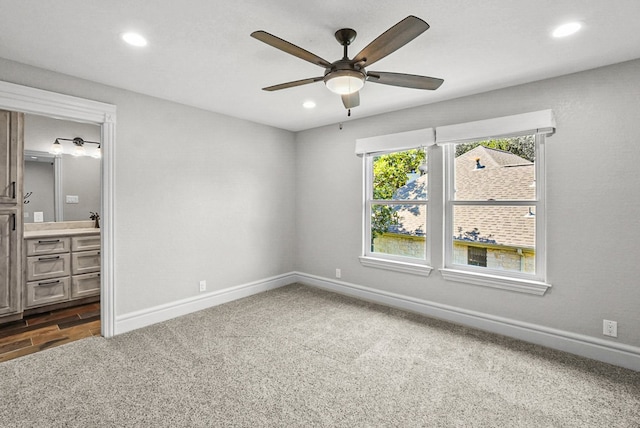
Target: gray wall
{"points": [[199, 195], [593, 202]]}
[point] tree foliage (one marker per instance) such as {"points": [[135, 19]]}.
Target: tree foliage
{"points": [[522, 146], [390, 172]]}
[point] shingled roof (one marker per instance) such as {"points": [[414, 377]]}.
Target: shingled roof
{"points": [[504, 176]]}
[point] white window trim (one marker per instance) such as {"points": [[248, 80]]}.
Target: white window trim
{"points": [[396, 265], [538, 123], [496, 281]]}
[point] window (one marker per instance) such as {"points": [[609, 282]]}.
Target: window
{"points": [[492, 201], [494, 206], [396, 203]]}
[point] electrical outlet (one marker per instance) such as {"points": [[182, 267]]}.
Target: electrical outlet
{"points": [[610, 328], [203, 285], [338, 273]]}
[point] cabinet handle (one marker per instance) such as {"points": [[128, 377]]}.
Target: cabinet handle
{"points": [[48, 258], [13, 186], [53, 241], [49, 283], [14, 221]]}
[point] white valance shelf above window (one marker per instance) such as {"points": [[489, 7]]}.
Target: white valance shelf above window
{"points": [[537, 122], [396, 142]]}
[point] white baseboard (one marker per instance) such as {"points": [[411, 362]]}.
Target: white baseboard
{"points": [[590, 347], [156, 314]]}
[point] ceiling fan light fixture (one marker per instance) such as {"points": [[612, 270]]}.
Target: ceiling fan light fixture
{"points": [[344, 82]]}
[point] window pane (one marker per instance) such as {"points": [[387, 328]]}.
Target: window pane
{"points": [[399, 230], [506, 232], [496, 170], [400, 176], [477, 256]]}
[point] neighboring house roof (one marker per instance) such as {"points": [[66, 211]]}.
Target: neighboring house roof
{"points": [[414, 218], [505, 176]]}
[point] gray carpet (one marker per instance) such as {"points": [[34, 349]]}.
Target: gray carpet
{"points": [[298, 356]]}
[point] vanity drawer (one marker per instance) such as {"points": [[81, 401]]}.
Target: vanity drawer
{"points": [[45, 267], [36, 247], [85, 262], [46, 292], [85, 243], [85, 285]]}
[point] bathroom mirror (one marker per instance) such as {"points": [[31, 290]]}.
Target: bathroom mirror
{"points": [[59, 187]]}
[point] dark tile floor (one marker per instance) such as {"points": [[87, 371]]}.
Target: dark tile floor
{"points": [[45, 330]]}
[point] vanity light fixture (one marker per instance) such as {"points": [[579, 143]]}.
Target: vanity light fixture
{"points": [[79, 148]]}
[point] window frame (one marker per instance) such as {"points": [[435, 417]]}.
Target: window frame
{"points": [[511, 280], [405, 264]]}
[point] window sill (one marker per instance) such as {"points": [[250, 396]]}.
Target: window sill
{"points": [[404, 267], [495, 281]]}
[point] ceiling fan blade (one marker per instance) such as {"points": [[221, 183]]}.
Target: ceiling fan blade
{"points": [[391, 40], [351, 100], [292, 84], [290, 48], [404, 80]]}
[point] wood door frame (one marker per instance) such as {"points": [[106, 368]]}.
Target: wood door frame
{"points": [[45, 103]]}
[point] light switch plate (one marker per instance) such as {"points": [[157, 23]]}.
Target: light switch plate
{"points": [[38, 216], [72, 199]]}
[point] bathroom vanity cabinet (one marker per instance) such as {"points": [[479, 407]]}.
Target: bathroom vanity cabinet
{"points": [[62, 265]]}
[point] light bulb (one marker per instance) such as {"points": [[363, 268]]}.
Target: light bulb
{"points": [[79, 150], [56, 148], [97, 153]]}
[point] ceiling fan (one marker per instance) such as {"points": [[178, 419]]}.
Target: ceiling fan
{"points": [[347, 76]]}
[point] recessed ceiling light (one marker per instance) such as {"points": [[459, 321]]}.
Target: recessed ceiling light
{"points": [[567, 29], [309, 104], [134, 39]]}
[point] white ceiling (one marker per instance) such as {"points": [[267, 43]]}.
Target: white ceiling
{"points": [[200, 52]]}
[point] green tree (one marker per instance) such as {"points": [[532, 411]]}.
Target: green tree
{"points": [[522, 146], [390, 172]]}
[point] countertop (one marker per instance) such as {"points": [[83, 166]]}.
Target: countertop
{"points": [[60, 232]]}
